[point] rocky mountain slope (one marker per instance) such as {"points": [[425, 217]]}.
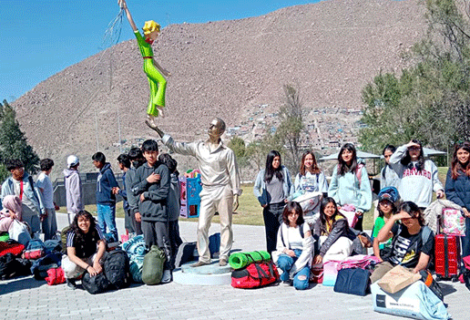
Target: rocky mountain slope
{"points": [[329, 49]]}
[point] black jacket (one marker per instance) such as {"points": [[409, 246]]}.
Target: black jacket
{"points": [[153, 208], [340, 229]]}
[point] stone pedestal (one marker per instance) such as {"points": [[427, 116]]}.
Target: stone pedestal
{"points": [[211, 274]]}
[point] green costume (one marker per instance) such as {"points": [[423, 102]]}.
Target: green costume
{"points": [[157, 82]]}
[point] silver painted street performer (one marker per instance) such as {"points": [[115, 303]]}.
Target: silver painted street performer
{"points": [[220, 186]]}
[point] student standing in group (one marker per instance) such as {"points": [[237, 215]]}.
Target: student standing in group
{"points": [[310, 178], [137, 159], [350, 183], [388, 176], [44, 184], [124, 164], [21, 184], [152, 185], [418, 177], [73, 188], [272, 187], [173, 204], [106, 190], [458, 187]]}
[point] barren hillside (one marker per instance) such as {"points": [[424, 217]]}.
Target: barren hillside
{"points": [[330, 49]]}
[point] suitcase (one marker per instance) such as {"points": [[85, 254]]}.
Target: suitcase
{"points": [[447, 257]]}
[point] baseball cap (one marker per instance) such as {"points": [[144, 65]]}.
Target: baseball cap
{"points": [[389, 193], [72, 161]]}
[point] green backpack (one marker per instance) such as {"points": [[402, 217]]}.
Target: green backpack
{"points": [[63, 238], [152, 270]]}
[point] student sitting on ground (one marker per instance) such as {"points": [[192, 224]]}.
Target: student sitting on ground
{"points": [[386, 207], [412, 242], [333, 234], [85, 248], [295, 247], [11, 211]]}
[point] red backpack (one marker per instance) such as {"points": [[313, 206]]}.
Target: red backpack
{"points": [[255, 275]]}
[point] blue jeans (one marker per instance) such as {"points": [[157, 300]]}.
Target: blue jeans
{"points": [[107, 217], [285, 263]]}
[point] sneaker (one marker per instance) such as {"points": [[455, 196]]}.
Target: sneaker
{"points": [[200, 264], [71, 284], [166, 276], [223, 262], [287, 283]]}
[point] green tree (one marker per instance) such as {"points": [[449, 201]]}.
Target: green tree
{"points": [[288, 134], [237, 144], [430, 100], [13, 143]]}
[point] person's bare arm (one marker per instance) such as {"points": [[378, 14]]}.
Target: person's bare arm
{"points": [[422, 263], [123, 5]]}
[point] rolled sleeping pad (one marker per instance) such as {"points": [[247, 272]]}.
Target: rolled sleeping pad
{"points": [[242, 259]]}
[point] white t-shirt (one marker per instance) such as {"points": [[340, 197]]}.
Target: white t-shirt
{"points": [[44, 185], [294, 238]]}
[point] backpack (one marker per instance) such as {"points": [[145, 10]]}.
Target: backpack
{"points": [[255, 275], [55, 276], [11, 267], [116, 269], [152, 270], [185, 253], [40, 266], [34, 250], [63, 238], [96, 284], [214, 244]]}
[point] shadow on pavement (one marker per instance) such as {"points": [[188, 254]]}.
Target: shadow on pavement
{"points": [[20, 284]]}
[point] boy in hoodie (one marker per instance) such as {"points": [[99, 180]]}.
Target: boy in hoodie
{"points": [[152, 185], [106, 190], [73, 187], [21, 184], [44, 184], [137, 159], [173, 204]]}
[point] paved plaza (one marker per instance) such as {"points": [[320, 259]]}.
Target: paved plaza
{"points": [[26, 298]]}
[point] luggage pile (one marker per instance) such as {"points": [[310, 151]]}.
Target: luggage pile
{"points": [[252, 269]]}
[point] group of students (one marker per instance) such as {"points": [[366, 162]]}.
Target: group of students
{"points": [[399, 234], [151, 204]]}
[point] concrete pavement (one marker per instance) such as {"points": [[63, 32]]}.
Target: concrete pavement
{"points": [[26, 298]]}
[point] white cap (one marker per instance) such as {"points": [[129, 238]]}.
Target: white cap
{"points": [[72, 161]]}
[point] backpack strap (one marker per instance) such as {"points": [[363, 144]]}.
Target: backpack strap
{"points": [[425, 234], [301, 230]]}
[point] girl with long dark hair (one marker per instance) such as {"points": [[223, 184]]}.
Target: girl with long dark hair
{"points": [[412, 241], [272, 187], [458, 187], [85, 248], [333, 234], [350, 183], [294, 246], [418, 176]]}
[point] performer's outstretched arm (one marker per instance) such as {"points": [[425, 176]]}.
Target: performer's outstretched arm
{"points": [[123, 5]]}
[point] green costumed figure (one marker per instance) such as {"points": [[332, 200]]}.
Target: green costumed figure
{"points": [[157, 82]]}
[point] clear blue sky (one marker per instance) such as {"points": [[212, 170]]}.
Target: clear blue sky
{"points": [[39, 38]]}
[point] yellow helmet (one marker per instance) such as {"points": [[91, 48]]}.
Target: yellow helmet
{"points": [[150, 26]]}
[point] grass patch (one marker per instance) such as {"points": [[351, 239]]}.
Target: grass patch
{"points": [[250, 212]]}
